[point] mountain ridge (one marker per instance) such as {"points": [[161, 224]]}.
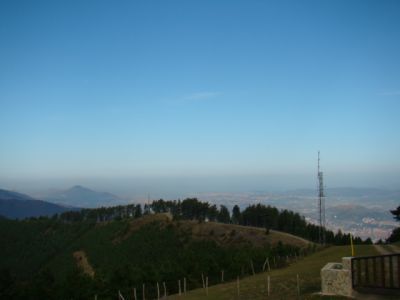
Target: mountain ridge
{"points": [[14, 205]]}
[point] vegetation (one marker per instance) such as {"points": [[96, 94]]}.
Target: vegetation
{"points": [[395, 236], [283, 282], [192, 209], [396, 213], [38, 262], [125, 247], [254, 215]]}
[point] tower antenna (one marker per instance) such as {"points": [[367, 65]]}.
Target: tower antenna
{"points": [[321, 205]]}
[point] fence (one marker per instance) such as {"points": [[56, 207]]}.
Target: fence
{"points": [[380, 273]]}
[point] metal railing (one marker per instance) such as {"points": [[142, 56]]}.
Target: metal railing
{"points": [[380, 272]]}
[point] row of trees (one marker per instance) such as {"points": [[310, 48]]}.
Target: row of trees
{"points": [[258, 215], [103, 214]]}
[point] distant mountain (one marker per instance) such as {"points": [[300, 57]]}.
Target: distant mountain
{"points": [[10, 195], [14, 205], [79, 196]]}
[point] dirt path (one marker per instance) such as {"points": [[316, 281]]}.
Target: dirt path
{"points": [[390, 249], [293, 236], [394, 248], [278, 232], [83, 263], [381, 250]]}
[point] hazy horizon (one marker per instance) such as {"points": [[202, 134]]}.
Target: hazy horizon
{"points": [[167, 187]]}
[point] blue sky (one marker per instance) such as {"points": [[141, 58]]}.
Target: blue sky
{"points": [[202, 89]]}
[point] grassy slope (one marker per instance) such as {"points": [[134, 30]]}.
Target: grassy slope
{"points": [[222, 234], [113, 244], [283, 281]]}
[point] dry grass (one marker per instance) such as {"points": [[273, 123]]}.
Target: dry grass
{"points": [[229, 234], [136, 224], [222, 234], [83, 263]]}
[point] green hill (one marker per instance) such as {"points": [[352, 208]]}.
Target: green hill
{"points": [[79, 254], [50, 259]]}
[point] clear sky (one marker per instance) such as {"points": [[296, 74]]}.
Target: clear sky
{"points": [[200, 89]]}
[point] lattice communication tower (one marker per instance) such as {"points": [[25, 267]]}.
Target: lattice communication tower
{"points": [[321, 205]]}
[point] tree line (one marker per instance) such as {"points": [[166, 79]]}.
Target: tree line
{"points": [[257, 215]]}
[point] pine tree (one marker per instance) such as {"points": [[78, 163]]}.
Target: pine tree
{"points": [[396, 213]]}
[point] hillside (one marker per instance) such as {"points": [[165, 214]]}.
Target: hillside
{"points": [[230, 234], [283, 282], [220, 233], [121, 254], [11, 195], [19, 206]]}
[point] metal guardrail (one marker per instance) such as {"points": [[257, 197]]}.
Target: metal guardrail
{"points": [[380, 272]]}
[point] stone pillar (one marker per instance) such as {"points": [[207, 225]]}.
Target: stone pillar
{"points": [[346, 262], [336, 278]]}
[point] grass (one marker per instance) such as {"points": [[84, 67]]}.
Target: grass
{"points": [[283, 281], [230, 234], [222, 234]]}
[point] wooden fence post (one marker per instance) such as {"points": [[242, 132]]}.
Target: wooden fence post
{"points": [[298, 286], [134, 294], [143, 291], [238, 287], [179, 286], [222, 276], [120, 297], [184, 285], [268, 285], [158, 291], [165, 290], [265, 262], [252, 267], [207, 285]]}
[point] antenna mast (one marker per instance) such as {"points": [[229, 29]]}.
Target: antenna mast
{"points": [[321, 205]]}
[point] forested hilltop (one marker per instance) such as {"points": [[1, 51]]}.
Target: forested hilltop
{"points": [[258, 215], [79, 254]]}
